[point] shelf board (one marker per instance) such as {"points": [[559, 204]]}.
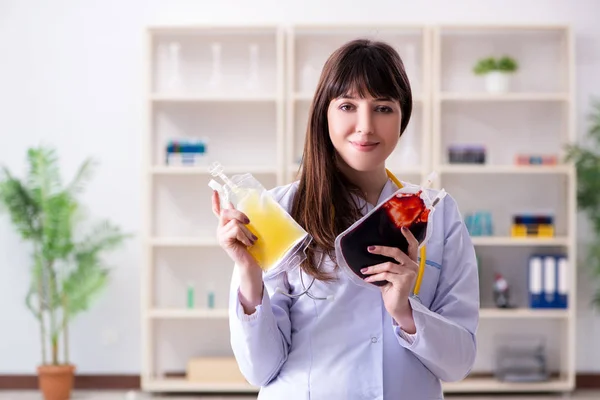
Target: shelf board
{"points": [[183, 313], [308, 96], [468, 385], [352, 28], [211, 29], [215, 98], [183, 385], [203, 170], [518, 241], [500, 28], [524, 313], [503, 169], [489, 384], [396, 169], [184, 242], [484, 313], [448, 96]]}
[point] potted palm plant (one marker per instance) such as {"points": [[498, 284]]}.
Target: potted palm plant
{"points": [[497, 72], [67, 272], [587, 163]]}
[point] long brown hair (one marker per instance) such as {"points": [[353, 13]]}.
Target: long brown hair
{"points": [[362, 66]]}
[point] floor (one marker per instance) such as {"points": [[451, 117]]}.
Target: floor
{"points": [[119, 395]]}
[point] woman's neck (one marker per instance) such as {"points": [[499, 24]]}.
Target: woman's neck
{"points": [[370, 183]]}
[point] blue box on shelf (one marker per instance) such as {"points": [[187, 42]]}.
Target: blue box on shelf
{"points": [[185, 151], [479, 223]]}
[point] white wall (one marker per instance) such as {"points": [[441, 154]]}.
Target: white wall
{"points": [[71, 74]]}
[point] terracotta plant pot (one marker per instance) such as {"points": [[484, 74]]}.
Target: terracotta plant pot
{"points": [[56, 381]]}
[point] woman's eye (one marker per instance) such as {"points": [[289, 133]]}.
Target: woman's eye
{"points": [[384, 109], [346, 107]]}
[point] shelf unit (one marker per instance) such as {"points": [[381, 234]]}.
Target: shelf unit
{"points": [[449, 104], [536, 112], [202, 83]]}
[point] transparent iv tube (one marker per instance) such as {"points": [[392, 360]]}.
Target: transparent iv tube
{"points": [[216, 170]]}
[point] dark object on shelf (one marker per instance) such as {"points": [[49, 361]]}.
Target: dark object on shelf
{"points": [[521, 359], [467, 154], [501, 292], [533, 219], [537, 225]]}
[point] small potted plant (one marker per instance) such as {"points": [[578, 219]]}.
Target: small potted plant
{"points": [[496, 72], [67, 272]]}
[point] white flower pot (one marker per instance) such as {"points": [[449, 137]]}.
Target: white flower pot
{"points": [[497, 82]]}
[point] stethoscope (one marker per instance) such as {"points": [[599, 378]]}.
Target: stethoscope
{"points": [[416, 289]]}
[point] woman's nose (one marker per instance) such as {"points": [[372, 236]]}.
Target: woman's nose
{"points": [[364, 121]]}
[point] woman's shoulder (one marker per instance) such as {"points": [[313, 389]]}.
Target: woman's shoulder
{"points": [[284, 194]]}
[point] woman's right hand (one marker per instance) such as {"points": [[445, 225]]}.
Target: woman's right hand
{"points": [[235, 238], [233, 235]]}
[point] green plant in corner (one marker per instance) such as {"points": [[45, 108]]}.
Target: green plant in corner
{"points": [[587, 163], [67, 270]]}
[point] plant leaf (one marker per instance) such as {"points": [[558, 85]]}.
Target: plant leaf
{"points": [[587, 163], [82, 177], [23, 209], [89, 276]]}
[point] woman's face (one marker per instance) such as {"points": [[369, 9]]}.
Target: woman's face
{"points": [[364, 131]]}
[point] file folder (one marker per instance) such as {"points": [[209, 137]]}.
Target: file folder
{"points": [[563, 282], [548, 281], [535, 282]]}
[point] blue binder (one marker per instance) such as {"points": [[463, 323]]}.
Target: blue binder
{"points": [[548, 281], [563, 282], [535, 282]]}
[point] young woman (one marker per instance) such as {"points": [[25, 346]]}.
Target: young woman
{"points": [[340, 340]]}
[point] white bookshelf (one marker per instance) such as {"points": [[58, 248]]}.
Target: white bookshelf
{"points": [[535, 115], [239, 110], [261, 131]]}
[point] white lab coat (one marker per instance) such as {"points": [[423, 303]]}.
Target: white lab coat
{"points": [[349, 348]]}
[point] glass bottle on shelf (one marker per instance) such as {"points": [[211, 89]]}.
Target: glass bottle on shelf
{"points": [[210, 295], [190, 295], [253, 79], [216, 74], [174, 81]]}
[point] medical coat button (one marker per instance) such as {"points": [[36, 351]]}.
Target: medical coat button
{"points": [[373, 339]]}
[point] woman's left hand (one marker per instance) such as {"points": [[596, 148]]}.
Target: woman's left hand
{"points": [[401, 279]]}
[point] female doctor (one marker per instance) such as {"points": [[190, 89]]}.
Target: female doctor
{"points": [[340, 340]]}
